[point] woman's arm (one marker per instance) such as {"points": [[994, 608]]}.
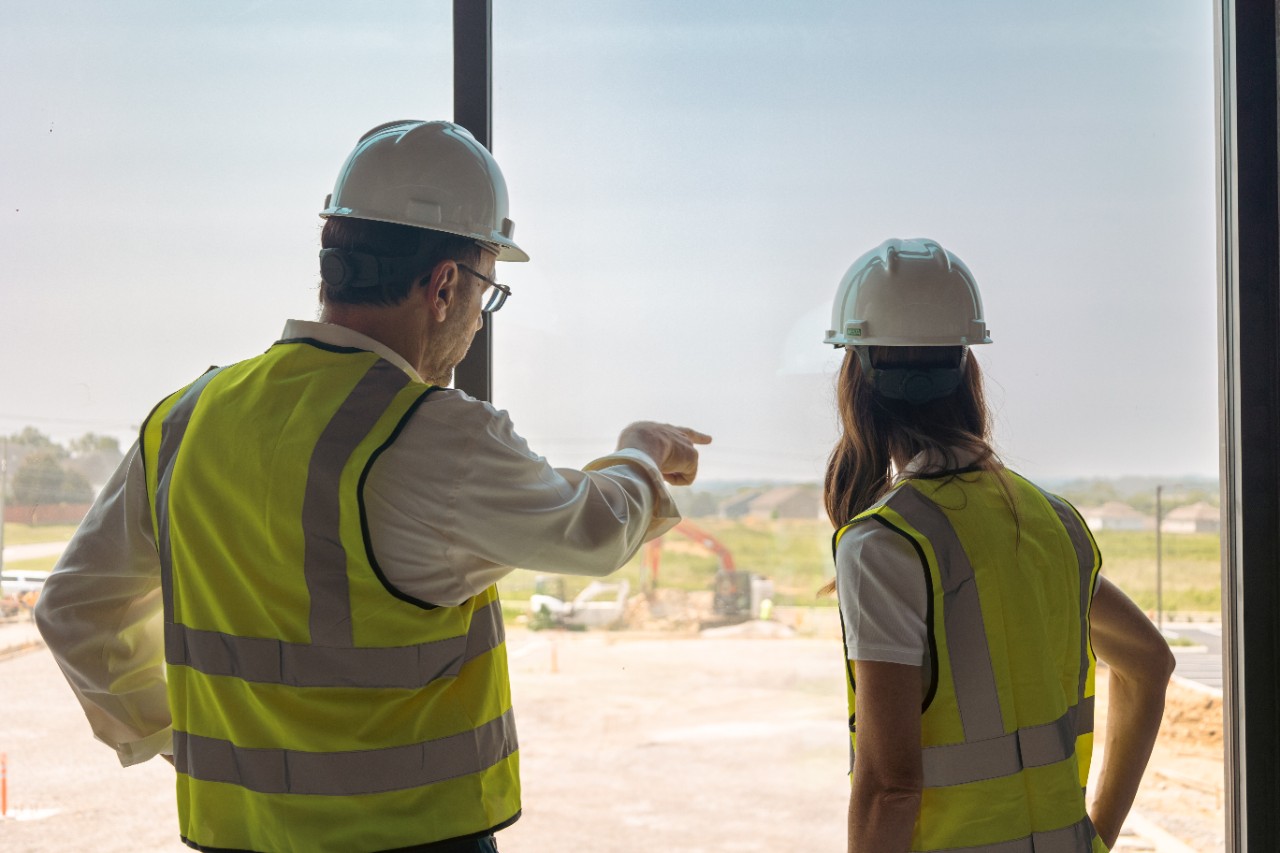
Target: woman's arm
{"points": [[887, 772], [1141, 663]]}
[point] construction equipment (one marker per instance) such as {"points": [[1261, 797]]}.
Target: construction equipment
{"points": [[737, 596], [19, 591], [599, 605]]}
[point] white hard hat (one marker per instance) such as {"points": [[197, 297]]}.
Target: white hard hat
{"points": [[907, 293], [427, 174]]}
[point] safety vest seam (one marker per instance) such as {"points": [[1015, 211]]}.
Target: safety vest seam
{"points": [[366, 536], [930, 634]]}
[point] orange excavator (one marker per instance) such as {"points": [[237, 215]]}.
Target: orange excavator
{"points": [[736, 595]]}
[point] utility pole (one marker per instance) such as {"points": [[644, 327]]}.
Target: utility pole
{"points": [[1159, 554]]}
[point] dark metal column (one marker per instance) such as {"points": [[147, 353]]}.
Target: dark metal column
{"points": [[473, 109], [1249, 313]]}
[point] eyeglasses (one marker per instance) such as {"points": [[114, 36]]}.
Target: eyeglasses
{"points": [[500, 291]]}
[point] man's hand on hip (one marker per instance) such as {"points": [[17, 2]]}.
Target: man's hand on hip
{"points": [[672, 447]]}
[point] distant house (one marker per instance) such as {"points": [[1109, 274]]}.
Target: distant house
{"points": [[1198, 517], [787, 502], [737, 505], [1115, 515]]}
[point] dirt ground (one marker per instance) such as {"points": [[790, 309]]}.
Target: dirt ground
{"points": [[1183, 790], [630, 741]]}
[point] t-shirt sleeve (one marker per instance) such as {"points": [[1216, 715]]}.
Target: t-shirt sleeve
{"points": [[883, 591]]}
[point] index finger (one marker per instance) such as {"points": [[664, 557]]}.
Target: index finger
{"points": [[695, 436]]}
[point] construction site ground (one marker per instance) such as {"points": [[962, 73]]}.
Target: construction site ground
{"points": [[730, 740]]}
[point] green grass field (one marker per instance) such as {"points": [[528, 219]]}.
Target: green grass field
{"points": [[28, 534], [40, 564], [1190, 568], [797, 556]]}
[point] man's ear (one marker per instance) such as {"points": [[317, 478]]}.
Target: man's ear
{"points": [[442, 289]]}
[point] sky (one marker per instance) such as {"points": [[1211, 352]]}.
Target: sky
{"points": [[691, 181]]}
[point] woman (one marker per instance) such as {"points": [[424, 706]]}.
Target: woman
{"points": [[971, 600]]}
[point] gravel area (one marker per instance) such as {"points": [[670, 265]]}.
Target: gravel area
{"points": [[629, 742]]}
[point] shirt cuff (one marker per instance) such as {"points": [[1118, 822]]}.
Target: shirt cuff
{"points": [[665, 514], [146, 749]]}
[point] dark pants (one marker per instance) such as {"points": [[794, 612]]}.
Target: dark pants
{"points": [[487, 844]]}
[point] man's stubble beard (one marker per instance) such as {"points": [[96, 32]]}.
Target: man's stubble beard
{"points": [[455, 343]]}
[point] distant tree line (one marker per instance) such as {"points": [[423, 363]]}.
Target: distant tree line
{"points": [[39, 471], [1137, 492], [1140, 493]]}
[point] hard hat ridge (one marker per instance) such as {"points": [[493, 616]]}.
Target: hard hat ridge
{"points": [[907, 293], [427, 174]]}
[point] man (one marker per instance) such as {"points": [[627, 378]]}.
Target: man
{"points": [[322, 526]]}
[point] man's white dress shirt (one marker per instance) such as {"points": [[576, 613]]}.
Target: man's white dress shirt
{"points": [[453, 505]]}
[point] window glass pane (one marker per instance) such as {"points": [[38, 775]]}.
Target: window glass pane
{"points": [[692, 183], [691, 180]]}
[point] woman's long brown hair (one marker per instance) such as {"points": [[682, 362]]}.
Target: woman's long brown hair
{"points": [[877, 432]]}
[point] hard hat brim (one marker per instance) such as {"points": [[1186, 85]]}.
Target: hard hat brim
{"points": [[506, 249]]}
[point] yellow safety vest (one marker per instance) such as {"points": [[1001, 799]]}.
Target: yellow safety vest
{"points": [[1007, 720], [314, 706]]}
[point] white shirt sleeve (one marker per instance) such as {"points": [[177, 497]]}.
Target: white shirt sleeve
{"points": [[459, 500], [100, 614], [883, 596], [455, 502]]}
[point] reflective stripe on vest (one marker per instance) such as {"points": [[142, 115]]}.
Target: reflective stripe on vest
{"points": [[1084, 553], [1069, 839], [300, 665], [330, 604], [988, 752], [976, 692], [172, 431], [369, 771]]}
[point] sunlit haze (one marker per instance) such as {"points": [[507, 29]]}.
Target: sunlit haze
{"points": [[691, 180]]}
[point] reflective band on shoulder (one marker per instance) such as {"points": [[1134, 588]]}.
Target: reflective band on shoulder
{"points": [[975, 683], [1077, 838], [324, 560], [172, 429], [1083, 545], [275, 662], [372, 771], [1035, 746]]}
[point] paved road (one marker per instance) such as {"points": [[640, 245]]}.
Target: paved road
{"points": [[14, 553], [1201, 662]]}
